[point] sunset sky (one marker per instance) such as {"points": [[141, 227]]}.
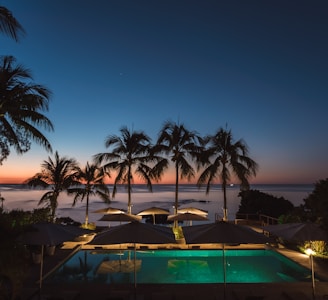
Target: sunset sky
{"points": [[258, 66]]}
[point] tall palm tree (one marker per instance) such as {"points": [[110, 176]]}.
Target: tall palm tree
{"points": [[92, 183], [129, 154], [21, 107], [58, 174], [9, 24], [180, 145], [225, 157]]}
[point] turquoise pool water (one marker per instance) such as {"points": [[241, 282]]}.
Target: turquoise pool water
{"points": [[179, 266]]}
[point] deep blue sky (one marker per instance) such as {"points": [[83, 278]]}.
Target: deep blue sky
{"points": [[258, 66]]}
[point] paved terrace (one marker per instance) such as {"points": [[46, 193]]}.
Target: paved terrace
{"points": [[268, 291]]}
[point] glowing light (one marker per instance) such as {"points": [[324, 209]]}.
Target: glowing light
{"points": [[309, 252]]}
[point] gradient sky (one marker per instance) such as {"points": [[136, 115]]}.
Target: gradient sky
{"points": [[258, 66]]}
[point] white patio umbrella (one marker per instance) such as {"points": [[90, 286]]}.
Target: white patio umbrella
{"points": [[108, 210], [120, 217], [187, 217], [153, 211], [192, 210]]}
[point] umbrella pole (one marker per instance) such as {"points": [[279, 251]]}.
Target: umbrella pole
{"points": [[41, 267], [135, 272], [312, 275], [224, 273], [135, 269]]}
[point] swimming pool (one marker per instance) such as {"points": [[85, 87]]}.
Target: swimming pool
{"points": [[179, 266]]}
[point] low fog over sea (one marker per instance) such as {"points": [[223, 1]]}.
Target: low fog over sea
{"points": [[21, 197]]}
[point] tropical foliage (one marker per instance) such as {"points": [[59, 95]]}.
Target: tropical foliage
{"points": [[9, 24], [57, 175], [316, 204], [223, 158], [92, 183], [21, 105], [254, 202], [128, 155], [181, 146]]}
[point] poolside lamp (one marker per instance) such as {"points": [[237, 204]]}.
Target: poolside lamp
{"points": [[310, 253]]}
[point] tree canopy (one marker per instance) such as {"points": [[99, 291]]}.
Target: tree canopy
{"points": [[22, 104], [256, 202], [316, 204]]}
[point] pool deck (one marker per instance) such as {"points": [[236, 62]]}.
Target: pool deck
{"points": [[229, 291]]}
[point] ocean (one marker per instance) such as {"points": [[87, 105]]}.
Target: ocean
{"points": [[21, 197]]}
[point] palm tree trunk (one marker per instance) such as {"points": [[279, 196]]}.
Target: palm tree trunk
{"points": [[225, 209], [176, 202], [129, 200], [53, 213], [87, 212], [54, 203], [129, 191]]}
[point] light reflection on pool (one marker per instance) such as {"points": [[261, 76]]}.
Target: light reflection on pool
{"points": [[179, 266]]}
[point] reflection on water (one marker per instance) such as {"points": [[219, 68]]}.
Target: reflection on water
{"points": [[20, 197], [180, 266]]}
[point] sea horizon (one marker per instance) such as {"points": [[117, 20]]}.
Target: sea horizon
{"points": [[20, 196]]}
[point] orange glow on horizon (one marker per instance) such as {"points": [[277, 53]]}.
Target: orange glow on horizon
{"points": [[12, 180], [21, 180], [19, 172]]}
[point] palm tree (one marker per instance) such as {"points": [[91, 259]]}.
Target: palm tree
{"points": [[21, 106], [224, 157], [58, 175], [130, 154], [9, 24], [180, 145], [92, 181]]}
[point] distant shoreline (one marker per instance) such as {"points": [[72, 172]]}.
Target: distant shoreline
{"points": [[22, 197], [189, 184], [195, 184]]}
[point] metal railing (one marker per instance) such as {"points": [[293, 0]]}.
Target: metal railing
{"points": [[255, 219]]}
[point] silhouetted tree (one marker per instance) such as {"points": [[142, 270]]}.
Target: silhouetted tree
{"points": [[21, 107], [222, 158], [9, 24], [316, 204], [129, 154], [58, 174], [91, 179], [256, 202], [180, 145]]}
